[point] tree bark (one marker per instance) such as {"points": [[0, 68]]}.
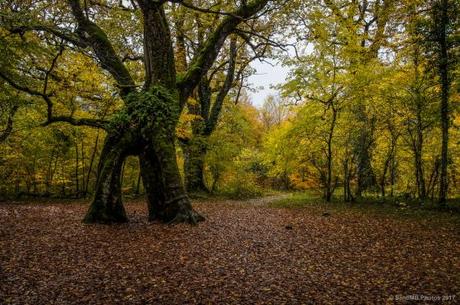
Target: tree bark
{"points": [[365, 173], [347, 193], [166, 196], [329, 188], [93, 155], [77, 176], [443, 73], [107, 206], [194, 156]]}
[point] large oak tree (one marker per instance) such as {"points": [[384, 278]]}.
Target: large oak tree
{"points": [[145, 125]]}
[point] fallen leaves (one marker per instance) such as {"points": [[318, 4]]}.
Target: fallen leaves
{"points": [[243, 254]]}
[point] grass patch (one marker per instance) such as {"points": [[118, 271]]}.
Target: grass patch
{"points": [[377, 207]]}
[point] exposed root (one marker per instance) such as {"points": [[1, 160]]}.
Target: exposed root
{"points": [[189, 216]]}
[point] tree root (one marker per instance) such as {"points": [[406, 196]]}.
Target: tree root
{"points": [[188, 216]]}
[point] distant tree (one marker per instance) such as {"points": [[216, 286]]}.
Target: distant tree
{"points": [[273, 111]]}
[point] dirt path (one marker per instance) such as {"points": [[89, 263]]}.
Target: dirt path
{"points": [[245, 253]]}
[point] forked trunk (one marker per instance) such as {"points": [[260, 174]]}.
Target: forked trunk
{"points": [[148, 121], [153, 141]]}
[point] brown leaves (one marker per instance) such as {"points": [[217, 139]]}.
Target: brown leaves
{"points": [[242, 254]]}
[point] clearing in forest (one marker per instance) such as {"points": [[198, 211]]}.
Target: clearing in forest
{"points": [[244, 253]]}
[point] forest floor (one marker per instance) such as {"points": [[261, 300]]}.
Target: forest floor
{"points": [[246, 252]]}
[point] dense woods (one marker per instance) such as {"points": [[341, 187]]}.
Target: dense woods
{"points": [[341, 186], [370, 107]]}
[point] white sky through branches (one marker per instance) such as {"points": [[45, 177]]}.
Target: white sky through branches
{"points": [[266, 76]]}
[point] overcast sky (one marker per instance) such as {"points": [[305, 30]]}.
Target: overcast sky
{"points": [[266, 76]]}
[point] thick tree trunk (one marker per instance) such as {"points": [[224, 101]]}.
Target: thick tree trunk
{"points": [[194, 155], [107, 206], [166, 196], [150, 129], [151, 136]]}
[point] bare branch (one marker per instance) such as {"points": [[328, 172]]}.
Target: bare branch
{"points": [[204, 10], [216, 109]]}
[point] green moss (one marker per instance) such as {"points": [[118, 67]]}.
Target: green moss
{"points": [[180, 77], [97, 32], [156, 108]]}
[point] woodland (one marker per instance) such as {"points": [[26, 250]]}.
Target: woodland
{"points": [[136, 166]]}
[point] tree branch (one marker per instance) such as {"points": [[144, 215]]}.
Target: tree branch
{"points": [[205, 57], [204, 10], [9, 124], [216, 108], [97, 38], [76, 121], [67, 36], [50, 118]]}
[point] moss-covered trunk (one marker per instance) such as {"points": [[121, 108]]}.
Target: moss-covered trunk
{"points": [[146, 127], [166, 195], [194, 156], [107, 206]]}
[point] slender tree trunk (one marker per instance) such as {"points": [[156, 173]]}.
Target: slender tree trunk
{"points": [[365, 172], [138, 183], [329, 188], [122, 176], [77, 184], [93, 155], [83, 167], [443, 73], [49, 174], [392, 177], [388, 164], [418, 159], [345, 181], [347, 194]]}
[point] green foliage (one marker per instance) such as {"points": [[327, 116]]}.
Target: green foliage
{"points": [[347, 79], [242, 188], [232, 150]]}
